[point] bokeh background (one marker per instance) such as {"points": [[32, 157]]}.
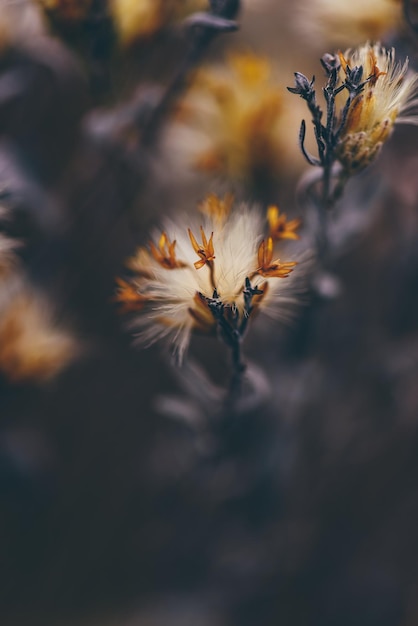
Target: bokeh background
{"points": [[119, 504]]}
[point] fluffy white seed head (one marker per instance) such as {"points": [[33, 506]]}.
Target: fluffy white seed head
{"points": [[168, 293], [389, 97]]}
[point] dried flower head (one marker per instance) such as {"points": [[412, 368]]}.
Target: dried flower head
{"points": [[338, 22], [138, 19], [390, 96], [229, 265], [32, 347], [233, 121], [366, 93]]}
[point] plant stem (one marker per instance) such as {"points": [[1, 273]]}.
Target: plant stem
{"points": [[324, 204], [231, 330], [238, 370]]}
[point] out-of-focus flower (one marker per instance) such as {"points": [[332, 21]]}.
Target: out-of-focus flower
{"points": [[390, 97], [340, 23], [217, 208], [173, 299], [33, 349], [138, 19], [233, 121]]}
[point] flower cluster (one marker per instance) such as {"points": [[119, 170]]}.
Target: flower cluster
{"points": [[366, 93], [227, 263]]}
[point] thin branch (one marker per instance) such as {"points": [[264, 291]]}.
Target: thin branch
{"points": [[309, 157], [231, 329]]}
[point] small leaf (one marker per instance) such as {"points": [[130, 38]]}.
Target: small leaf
{"points": [[310, 158]]}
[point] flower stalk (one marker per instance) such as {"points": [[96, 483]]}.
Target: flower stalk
{"points": [[231, 330], [211, 284], [379, 93], [327, 135]]}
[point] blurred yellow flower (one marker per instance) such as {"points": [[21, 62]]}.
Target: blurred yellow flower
{"points": [[216, 208], [237, 123], [342, 22], [33, 349], [138, 19]]}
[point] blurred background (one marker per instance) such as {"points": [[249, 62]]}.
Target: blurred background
{"points": [[124, 501]]}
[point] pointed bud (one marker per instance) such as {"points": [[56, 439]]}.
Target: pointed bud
{"points": [[303, 87], [330, 63]]}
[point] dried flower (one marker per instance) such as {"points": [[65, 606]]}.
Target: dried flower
{"points": [[217, 209], [366, 93], [234, 275], [205, 250], [128, 297], [390, 96], [165, 254]]}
